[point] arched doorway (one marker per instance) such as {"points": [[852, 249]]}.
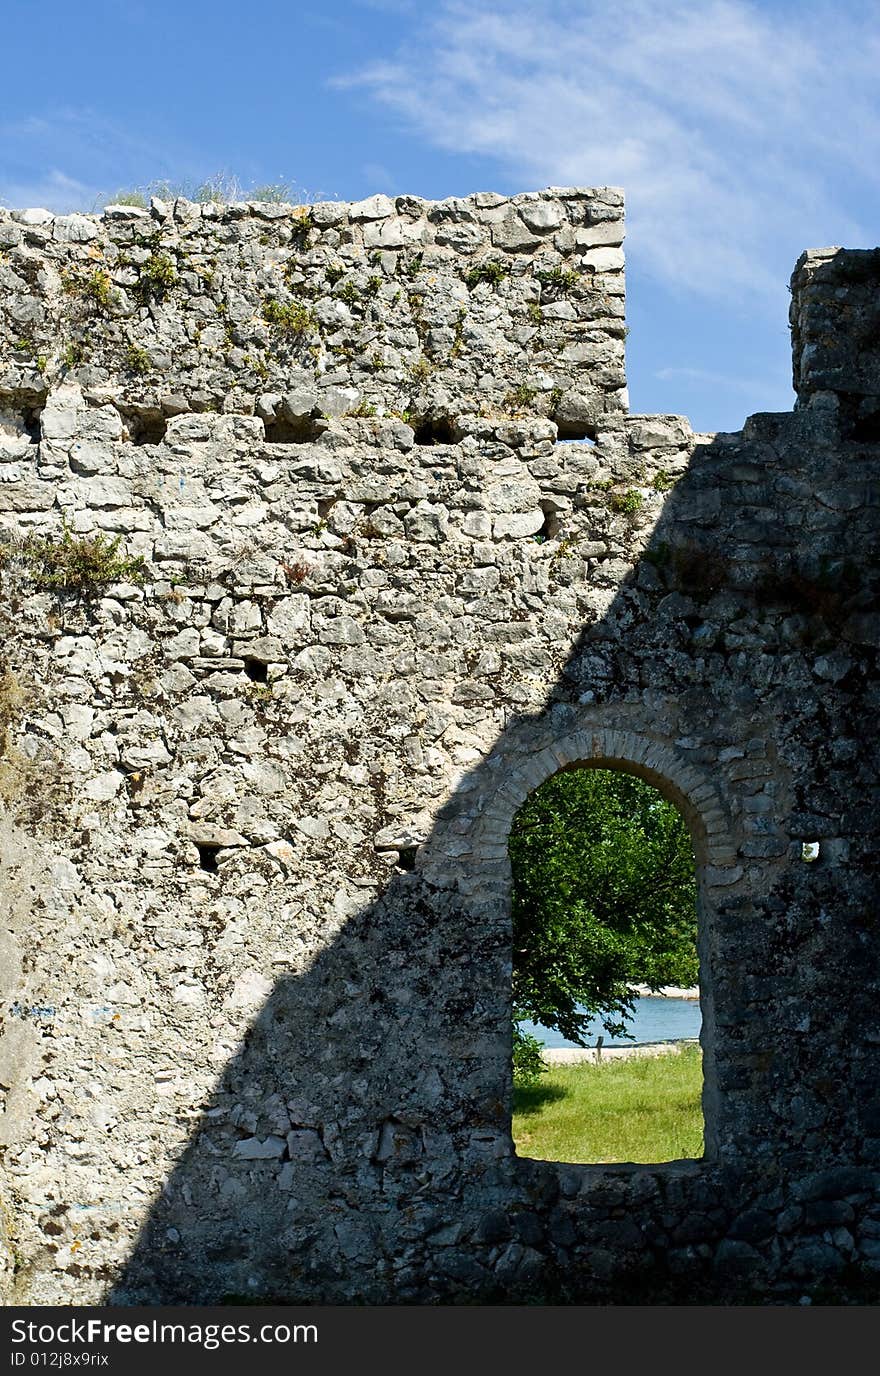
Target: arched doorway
{"points": [[605, 972], [700, 797]]}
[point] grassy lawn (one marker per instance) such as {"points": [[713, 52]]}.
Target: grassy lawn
{"points": [[644, 1109]]}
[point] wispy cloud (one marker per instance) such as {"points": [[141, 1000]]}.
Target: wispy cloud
{"points": [[756, 389], [68, 158], [379, 177], [741, 133], [53, 190], [399, 7]]}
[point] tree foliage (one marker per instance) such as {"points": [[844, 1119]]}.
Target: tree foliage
{"points": [[604, 897]]}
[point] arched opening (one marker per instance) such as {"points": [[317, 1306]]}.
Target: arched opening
{"points": [[607, 1063]]}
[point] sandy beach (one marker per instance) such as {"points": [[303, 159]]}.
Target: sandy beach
{"points": [[669, 991]]}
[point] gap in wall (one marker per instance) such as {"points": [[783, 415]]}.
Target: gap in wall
{"points": [[299, 430], [604, 902], [256, 670], [144, 425], [435, 430], [208, 857], [20, 413]]}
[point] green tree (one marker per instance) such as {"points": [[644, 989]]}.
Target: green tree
{"points": [[604, 897]]}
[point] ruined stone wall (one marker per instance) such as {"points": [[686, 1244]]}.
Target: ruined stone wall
{"points": [[835, 321], [423, 308], [256, 795]]}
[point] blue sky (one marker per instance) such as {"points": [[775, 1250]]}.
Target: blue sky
{"points": [[741, 133]]}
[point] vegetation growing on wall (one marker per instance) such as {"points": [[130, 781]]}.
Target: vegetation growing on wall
{"points": [[222, 188], [79, 564], [11, 698], [157, 276]]}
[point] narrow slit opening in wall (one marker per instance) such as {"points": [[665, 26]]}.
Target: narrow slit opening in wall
{"points": [[435, 430], [146, 426], [582, 432], [30, 419], [866, 429], [406, 857], [552, 524], [256, 669], [208, 858], [605, 901], [296, 430], [20, 415]]}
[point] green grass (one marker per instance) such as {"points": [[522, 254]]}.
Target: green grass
{"points": [[644, 1109], [224, 187]]}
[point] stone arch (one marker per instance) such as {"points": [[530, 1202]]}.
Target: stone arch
{"points": [[679, 780], [704, 809]]}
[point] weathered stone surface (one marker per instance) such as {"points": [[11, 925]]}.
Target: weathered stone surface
{"points": [[255, 794], [366, 305], [835, 343]]}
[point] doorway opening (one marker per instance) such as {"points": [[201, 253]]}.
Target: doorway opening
{"points": [[607, 1063]]}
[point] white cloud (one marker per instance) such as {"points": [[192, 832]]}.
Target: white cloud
{"points": [[740, 133], [755, 389], [398, 7], [44, 156], [378, 175], [54, 190]]}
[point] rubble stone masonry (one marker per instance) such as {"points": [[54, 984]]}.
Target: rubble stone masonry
{"points": [[372, 548]]}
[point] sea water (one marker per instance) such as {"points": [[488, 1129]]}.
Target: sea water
{"points": [[656, 1018]]}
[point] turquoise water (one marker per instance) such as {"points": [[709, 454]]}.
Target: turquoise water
{"points": [[656, 1019]]}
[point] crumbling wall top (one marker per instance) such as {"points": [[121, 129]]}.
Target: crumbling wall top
{"points": [[487, 304], [835, 321]]}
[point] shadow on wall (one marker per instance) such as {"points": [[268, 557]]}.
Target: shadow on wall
{"points": [[358, 1145]]}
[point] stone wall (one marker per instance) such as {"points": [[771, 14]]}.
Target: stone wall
{"points": [[835, 320], [419, 308], [256, 799]]}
